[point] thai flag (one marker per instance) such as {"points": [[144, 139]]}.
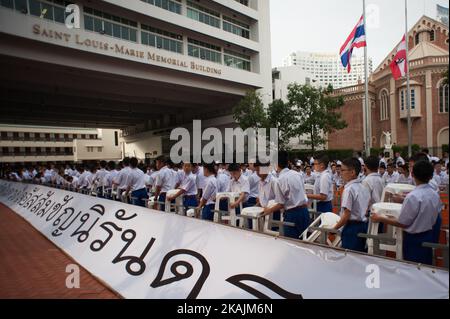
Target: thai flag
{"points": [[357, 39], [398, 65]]}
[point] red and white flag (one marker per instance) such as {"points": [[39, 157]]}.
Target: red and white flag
{"points": [[399, 66]]}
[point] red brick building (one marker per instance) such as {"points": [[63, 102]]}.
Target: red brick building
{"points": [[429, 58]]}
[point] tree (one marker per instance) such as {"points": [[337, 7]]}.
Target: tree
{"points": [[445, 75], [280, 115], [250, 113], [316, 112]]}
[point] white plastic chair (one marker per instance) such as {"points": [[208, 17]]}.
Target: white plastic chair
{"points": [[396, 189], [268, 221], [178, 209], [253, 212], [312, 203], [396, 234], [326, 221], [232, 218]]}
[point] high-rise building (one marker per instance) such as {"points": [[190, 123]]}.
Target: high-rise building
{"points": [[326, 68], [142, 66]]}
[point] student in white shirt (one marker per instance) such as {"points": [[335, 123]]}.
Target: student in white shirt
{"points": [[238, 184], [323, 186], [392, 176], [290, 196], [187, 188], [99, 178], [121, 179], [382, 171], [109, 177], [404, 175], [309, 177], [419, 217], [165, 181], [208, 199], [136, 184], [253, 180], [354, 206], [266, 188], [399, 161], [373, 181], [338, 181]]}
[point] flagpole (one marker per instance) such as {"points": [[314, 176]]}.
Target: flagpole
{"points": [[408, 94], [366, 83]]}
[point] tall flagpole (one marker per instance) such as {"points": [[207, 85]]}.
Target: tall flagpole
{"points": [[366, 100], [408, 88]]}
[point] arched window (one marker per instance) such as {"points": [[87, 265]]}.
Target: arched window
{"points": [[443, 98], [384, 105]]}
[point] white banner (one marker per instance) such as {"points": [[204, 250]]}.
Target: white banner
{"points": [[142, 253]]}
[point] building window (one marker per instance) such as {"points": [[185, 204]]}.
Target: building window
{"points": [[403, 99], [174, 6], [116, 138], [90, 149], [105, 23], [236, 27], [237, 60], [417, 38], [53, 10], [19, 5], [203, 15], [161, 39], [205, 51], [443, 98], [432, 35], [384, 106], [244, 2], [99, 149]]}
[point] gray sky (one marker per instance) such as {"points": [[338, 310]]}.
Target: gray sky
{"points": [[324, 25]]}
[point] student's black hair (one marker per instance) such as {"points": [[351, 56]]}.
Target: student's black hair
{"points": [[134, 162], [419, 157], [234, 167], [372, 163], [126, 161], [423, 171], [283, 159], [103, 164], [426, 151], [162, 159], [382, 165], [324, 160], [353, 164], [359, 154], [211, 168], [390, 165], [111, 165], [259, 164]]}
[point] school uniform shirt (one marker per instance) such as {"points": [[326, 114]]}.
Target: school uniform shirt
{"points": [[290, 190], [360, 159], [310, 179], [420, 210], [201, 179], [166, 179], [355, 198], [48, 174], [253, 180], [391, 179], [90, 179], [375, 185], [188, 184], [109, 177], [338, 181], [100, 176], [152, 178], [210, 190], [240, 186], [402, 179], [266, 190], [437, 179], [444, 179], [400, 161], [74, 181], [121, 178], [383, 161], [84, 180], [223, 181], [324, 185], [179, 176], [136, 179], [26, 175]]}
